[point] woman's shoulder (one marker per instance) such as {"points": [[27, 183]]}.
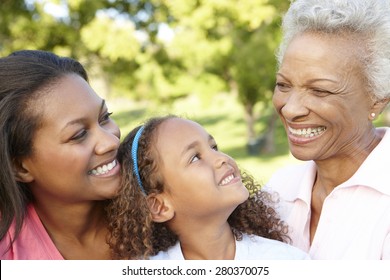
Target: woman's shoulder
{"points": [[294, 169], [289, 174], [32, 243]]}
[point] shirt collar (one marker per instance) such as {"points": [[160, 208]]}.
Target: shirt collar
{"points": [[374, 171], [305, 183]]}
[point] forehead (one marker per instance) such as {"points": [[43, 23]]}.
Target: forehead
{"points": [[327, 52], [177, 128], [323, 43], [68, 99], [176, 133], [324, 59]]}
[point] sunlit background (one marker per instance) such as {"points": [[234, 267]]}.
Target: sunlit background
{"points": [[209, 60]]}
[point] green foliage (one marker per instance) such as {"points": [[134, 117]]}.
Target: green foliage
{"points": [[254, 65], [116, 40], [218, 46], [232, 40]]}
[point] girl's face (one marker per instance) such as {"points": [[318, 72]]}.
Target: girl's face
{"points": [[322, 99], [75, 149], [200, 180]]}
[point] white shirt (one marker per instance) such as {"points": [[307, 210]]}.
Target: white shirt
{"points": [[249, 248], [355, 217]]}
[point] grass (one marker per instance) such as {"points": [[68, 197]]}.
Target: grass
{"points": [[222, 117]]}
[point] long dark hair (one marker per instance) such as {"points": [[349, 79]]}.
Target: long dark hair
{"points": [[24, 78]]}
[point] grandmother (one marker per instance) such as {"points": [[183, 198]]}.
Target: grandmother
{"points": [[333, 81]]}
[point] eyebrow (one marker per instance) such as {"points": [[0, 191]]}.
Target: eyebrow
{"points": [[193, 145], [102, 105], [311, 80], [81, 120]]}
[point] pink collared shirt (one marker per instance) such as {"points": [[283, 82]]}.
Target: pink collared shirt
{"points": [[33, 243], [355, 218]]}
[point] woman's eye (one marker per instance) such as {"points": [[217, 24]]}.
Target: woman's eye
{"points": [[105, 117], [281, 86], [321, 92], [215, 147]]}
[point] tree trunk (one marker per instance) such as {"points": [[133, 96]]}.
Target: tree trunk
{"points": [[250, 122], [269, 145], [253, 147], [264, 143]]}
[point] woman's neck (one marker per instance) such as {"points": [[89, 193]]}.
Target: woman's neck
{"points": [[334, 171], [78, 232]]}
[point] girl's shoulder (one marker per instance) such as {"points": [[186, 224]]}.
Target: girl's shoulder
{"points": [[257, 247], [173, 253]]}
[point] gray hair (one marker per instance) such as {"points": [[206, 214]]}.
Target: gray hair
{"points": [[369, 20]]}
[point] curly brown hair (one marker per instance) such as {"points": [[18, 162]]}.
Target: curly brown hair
{"points": [[134, 235]]}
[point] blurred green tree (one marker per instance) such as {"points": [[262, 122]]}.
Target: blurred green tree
{"points": [[216, 46], [231, 43]]}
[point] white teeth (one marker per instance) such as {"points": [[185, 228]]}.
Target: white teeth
{"points": [[227, 180], [103, 169], [307, 132]]}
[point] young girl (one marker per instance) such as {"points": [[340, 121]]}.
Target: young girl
{"points": [[181, 198]]}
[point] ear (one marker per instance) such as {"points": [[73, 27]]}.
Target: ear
{"points": [[21, 172], [160, 207], [379, 106]]}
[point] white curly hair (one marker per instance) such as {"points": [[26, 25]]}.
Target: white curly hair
{"points": [[367, 21]]}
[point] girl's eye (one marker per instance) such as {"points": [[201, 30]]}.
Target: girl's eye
{"points": [[215, 147], [79, 135], [195, 158], [105, 117]]}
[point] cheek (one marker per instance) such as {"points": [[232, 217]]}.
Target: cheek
{"points": [[187, 187], [64, 161], [114, 129], [278, 100]]}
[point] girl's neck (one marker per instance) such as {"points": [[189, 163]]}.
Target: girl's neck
{"points": [[208, 244]]}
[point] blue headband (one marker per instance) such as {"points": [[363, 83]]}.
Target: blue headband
{"points": [[134, 151]]}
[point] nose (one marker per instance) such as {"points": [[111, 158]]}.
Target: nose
{"points": [[291, 106], [108, 139], [221, 159]]}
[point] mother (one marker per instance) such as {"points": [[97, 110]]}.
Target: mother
{"points": [[333, 82], [58, 160]]}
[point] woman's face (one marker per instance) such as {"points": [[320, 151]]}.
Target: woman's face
{"points": [[75, 149], [200, 180], [321, 98]]}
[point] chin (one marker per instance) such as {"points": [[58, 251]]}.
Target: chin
{"points": [[244, 195], [301, 154]]}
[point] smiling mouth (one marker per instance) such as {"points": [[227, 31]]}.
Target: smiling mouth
{"points": [[227, 180], [307, 132], [103, 169]]}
